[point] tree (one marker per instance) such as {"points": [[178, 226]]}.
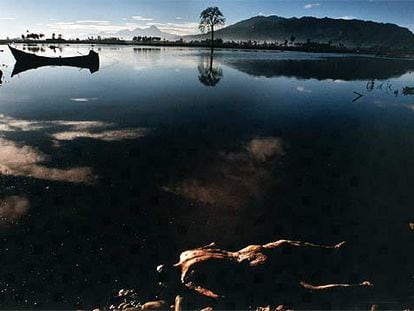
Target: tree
{"points": [[208, 74], [292, 39], [210, 18]]}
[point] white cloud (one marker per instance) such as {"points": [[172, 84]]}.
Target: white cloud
{"points": [[88, 27], [180, 29], [93, 22], [347, 17], [178, 17], [7, 18], [311, 5], [141, 18]]}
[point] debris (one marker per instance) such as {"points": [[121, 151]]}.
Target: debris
{"points": [[358, 97], [154, 305], [332, 286], [178, 303], [254, 255]]}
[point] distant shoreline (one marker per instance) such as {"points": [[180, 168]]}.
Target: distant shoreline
{"points": [[227, 46]]}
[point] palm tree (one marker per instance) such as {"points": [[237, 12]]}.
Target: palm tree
{"points": [[210, 18]]}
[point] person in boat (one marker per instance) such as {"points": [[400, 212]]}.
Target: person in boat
{"points": [[197, 266]]}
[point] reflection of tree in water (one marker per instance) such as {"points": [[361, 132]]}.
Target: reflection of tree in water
{"points": [[1, 77], [208, 74], [387, 87]]}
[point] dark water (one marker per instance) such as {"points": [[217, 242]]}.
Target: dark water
{"points": [[105, 176]]}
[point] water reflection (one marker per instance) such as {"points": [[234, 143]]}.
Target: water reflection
{"points": [[335, 68], [209, 74], [111, 135], [24, 160], [234, 179], [12, 208], [27, 61], [257, 159]]}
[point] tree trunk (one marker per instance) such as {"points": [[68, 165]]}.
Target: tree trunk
{"points": [[212, 38]]}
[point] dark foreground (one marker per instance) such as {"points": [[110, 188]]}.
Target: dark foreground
{"points": [[105, 176]]}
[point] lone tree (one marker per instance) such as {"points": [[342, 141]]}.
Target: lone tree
{"points": [[210, 18]]}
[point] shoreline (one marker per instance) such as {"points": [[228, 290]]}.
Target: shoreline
{"points": [[399, 54]]}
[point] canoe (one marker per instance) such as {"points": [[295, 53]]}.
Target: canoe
{"points": [[26, 61]]}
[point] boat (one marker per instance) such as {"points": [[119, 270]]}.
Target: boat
{"points": [[26, 61]]}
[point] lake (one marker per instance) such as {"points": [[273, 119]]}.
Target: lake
{"points": [[104, 176]]}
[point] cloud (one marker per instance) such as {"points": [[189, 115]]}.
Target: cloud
{"points": [[311, 5], [178, 17], [141, 18], [89, 27], [93, 22], [180, 29], [347, 17], [7, 18]]}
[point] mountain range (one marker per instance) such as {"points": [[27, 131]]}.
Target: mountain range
{"points": [[151, 31], [351, 33]]}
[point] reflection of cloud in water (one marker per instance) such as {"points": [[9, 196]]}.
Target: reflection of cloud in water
{"points": [[24, 160], [73, 129], [236, 177], [83, 99], [263, 149], [303, 89], [9, 124], [16, 160], [105, 135], [12, 208]]}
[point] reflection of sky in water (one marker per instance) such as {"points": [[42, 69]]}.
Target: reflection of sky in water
{"points": [[115, 172]]}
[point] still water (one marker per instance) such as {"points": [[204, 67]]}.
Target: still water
{"points": [[106, 175]]}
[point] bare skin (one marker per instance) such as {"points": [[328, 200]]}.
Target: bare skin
{"points": [[253, 255]]}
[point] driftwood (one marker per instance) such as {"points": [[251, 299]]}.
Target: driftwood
{"points": [[178, 303], [254, 255], [359, 95], [154, 305]]}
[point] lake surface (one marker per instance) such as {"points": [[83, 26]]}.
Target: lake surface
{"points": [[104, 176]]}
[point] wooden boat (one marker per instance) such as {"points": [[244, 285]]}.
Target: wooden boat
{"points": [[26, 61]]}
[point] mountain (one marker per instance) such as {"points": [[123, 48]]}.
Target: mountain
{"points": [[351, 33], [151, 31]]}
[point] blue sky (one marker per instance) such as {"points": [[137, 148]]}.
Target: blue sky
{"points": [[80, 18]]}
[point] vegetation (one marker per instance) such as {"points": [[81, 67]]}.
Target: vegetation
{"points": [[210, 18]]}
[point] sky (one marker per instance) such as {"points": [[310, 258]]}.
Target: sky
{"points": [[82, 18]]}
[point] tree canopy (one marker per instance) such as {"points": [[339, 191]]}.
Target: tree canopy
{"points": [[211, 17]]}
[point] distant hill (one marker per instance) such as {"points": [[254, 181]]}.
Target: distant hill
{"points": [[152, 31], [351, 33]]}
